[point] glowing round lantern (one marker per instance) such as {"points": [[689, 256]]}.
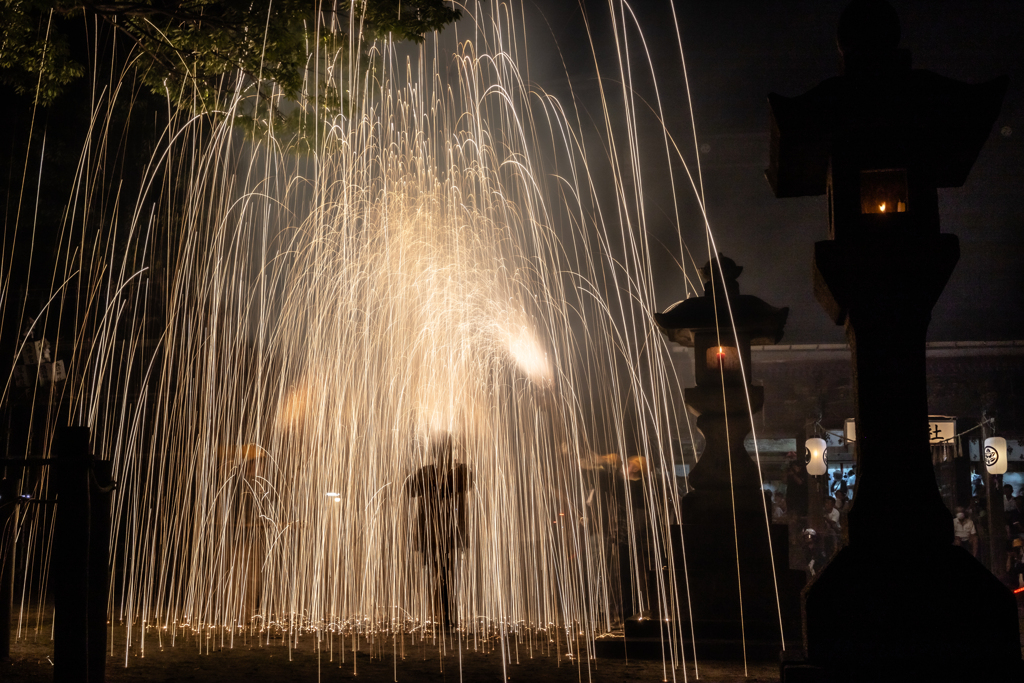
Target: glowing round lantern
{"points": [[814, 456], [995, 455]]}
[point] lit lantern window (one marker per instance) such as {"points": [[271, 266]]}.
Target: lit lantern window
{"points": [[723, 358], [883, 191], [814, 456], [995, 455]]}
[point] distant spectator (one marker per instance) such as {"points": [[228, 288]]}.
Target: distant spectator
{"points": [[779, 512], [814, 556], [851, 480], [837, 484], [1009, 504], [1015, 564], [1011, 510], [830, 537], [842, 504], [978, 503], [977, 485], [1015, 530], [964, 533], [796, 487], [831, 513]]}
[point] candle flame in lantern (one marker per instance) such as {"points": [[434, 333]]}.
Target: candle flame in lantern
{"points": [[881, 207]]}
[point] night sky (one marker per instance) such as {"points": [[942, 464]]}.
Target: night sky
{"points": [[739, 51]]}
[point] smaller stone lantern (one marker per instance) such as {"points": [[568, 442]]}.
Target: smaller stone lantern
{"points": [[722, 372], [733, 608]]}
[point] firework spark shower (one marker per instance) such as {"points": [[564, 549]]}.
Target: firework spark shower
{"points": [[269, 346]]}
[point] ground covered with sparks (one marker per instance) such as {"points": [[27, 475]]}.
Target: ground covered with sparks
{"points": [[450, 660]]}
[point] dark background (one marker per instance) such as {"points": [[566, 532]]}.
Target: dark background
{"points": [[736, 53]]}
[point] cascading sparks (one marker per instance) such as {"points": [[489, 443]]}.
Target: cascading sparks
{"points": [[303, 319]]}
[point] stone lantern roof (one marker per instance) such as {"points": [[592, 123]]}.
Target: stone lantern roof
{"points": [[755, 318], [939, 122]]}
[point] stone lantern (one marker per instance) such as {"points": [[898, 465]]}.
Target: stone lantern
{"points": [[724, 525], [878, 141], [719, 400]]}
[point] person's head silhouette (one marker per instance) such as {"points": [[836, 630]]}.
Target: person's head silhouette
{"points": [[442, 451]]}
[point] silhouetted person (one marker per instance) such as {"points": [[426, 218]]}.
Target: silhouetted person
{"points": [[1012, 514], [977, 485], [1009, 505], [779, 511], [1015, 564], [813, 556], [441, 523], [615, 483], [796, 488], [832, 530], [838, 483], [842, 503]]}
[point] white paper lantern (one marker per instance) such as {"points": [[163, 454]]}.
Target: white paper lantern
{"points": [[995, 455], [815, 456]]}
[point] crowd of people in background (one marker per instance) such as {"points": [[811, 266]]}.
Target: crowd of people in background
{"points": [[814, 538], [1013, 513], [816, 535], [971, 531]]}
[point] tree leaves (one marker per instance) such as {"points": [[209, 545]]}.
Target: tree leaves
{"points": [[199, 53], [35, 59]]}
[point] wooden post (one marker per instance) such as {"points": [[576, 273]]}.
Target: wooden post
{"points": [[99, 574], [997, 538], [70, 556], [8, 526]]}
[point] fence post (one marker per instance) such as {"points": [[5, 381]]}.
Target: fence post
{"points": [[70, 552], [8, 533], [99, 572]]}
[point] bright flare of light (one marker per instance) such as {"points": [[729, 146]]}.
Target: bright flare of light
{"points": [[530, 355]]}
